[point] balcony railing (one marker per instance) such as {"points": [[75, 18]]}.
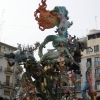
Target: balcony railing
{"points": [[97, 87], [7, 84], [9, 70], [97, 75], [96, 63]]}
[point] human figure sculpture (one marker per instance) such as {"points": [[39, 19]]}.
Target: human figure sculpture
{"points": [[87, 85]]}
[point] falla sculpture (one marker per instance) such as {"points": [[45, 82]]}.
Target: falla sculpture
{"points": [[55, 73]]}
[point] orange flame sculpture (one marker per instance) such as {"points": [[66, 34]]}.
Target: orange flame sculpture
{"points": [[44, 17]]}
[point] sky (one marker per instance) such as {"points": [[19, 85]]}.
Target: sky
{"points": [[18, 25]]}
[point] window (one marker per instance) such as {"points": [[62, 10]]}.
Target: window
{"points": [[97, 70], [7, 80], [78, 86], [96, 48], [97, 73], [91, 37], [96, 61], [0, 68], [6, 92], [0, 85], [89, 62], [97, 82], [8, 68], [97, 85], [0, 49], [98, 35], [88, 50], [9, 49]]}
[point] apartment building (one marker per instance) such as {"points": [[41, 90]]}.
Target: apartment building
{"points": [[6, 72], [91, 56]]}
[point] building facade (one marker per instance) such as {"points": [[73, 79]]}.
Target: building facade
{"points": [[92, 56], [6, 72]]}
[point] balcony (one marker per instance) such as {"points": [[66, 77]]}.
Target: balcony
{"points": [[7, 85], [97, 87], [97, 75], [9, 71], [96, 63]]}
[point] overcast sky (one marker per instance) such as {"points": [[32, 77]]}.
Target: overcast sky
{"points": [[18, 24]]}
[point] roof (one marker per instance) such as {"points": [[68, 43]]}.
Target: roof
{"points": [[9, 46], [94, 31]]}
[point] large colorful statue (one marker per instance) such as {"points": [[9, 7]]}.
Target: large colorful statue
{"points": [[54, 74]]}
